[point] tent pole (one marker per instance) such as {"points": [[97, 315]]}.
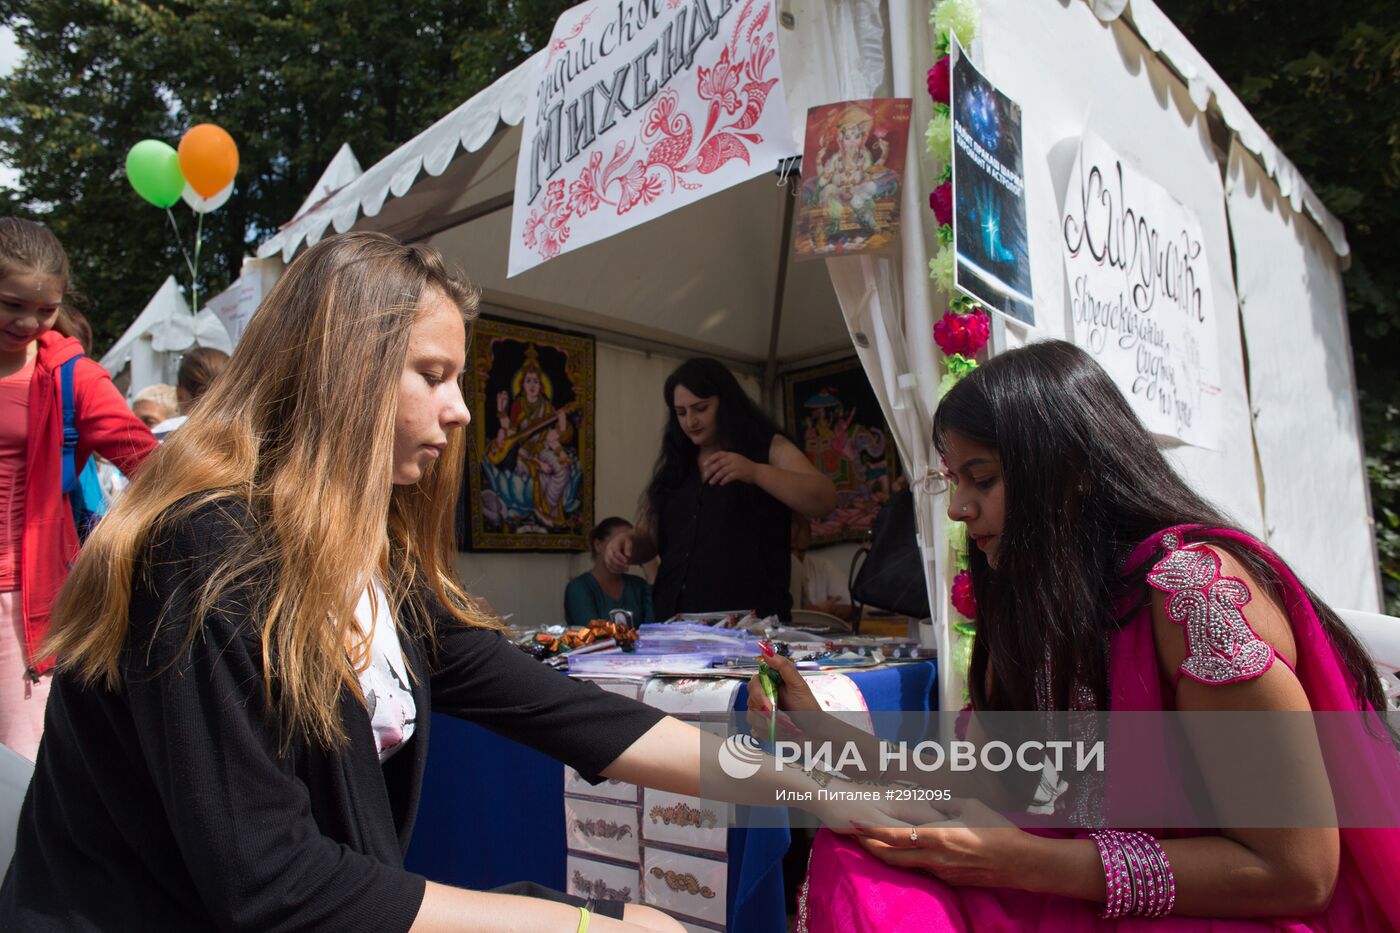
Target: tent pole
{"points": [[770, 369]]}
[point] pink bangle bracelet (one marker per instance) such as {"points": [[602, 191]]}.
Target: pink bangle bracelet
{"points": [[1138, 878]]}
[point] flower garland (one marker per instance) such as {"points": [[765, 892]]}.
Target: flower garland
{"points": [[964, 329]]}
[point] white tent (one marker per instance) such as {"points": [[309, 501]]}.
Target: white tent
{"points": [[149, 351], [705, 278], [342, 169]]}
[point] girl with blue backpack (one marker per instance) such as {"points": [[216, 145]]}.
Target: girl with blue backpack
{"points": [[57, 408]]}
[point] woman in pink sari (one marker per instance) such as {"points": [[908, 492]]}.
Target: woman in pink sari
{"points": [[1104, 582]]}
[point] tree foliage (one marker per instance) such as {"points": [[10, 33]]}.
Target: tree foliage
{"points": [[290, 79], [1323, 79]]}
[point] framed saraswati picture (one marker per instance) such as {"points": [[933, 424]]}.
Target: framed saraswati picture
{"points": [[832, 413], [530, 450]]}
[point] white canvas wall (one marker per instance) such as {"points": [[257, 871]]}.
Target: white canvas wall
{"points": [[1071, 73], [1301, 383]]}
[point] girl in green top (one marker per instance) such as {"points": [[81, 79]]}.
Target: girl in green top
{"points": [[595, 594]]}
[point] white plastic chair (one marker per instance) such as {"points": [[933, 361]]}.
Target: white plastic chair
{"points": [[1380, 636], [15, 772]]}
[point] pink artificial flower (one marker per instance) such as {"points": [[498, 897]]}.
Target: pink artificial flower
{"points": [[940, 85], [962, 333], [961, 595], [940, 201]]}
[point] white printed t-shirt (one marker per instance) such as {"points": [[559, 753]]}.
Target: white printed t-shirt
{"points": [[385, 683]]}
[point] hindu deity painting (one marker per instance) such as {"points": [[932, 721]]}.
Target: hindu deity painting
{"points": [[852, 166], [529, 477], [833, 415]]}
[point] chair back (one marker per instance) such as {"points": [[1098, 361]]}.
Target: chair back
{"points": [[15, 772], [814, 621], [1380, 636]]}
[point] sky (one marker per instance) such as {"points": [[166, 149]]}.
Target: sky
{"points": [[9, 58]]}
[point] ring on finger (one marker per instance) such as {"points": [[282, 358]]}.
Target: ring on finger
{"points": [[914, 835]]}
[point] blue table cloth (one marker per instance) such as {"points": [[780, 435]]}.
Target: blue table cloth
{"points": [[492, 810]]}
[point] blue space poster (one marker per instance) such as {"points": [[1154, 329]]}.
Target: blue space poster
{"points": [[989, 215]]}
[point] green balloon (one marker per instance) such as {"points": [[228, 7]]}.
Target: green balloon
{"points": [[153, 168]]}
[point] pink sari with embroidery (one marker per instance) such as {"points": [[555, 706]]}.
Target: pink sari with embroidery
{"points": [[849, 890]]}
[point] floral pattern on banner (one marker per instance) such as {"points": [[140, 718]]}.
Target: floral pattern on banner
{"points": [[559, 45], [963, 330], [737, 90]]}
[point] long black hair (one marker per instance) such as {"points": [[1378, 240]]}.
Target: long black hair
{"points": [[1084, 484], [739, 424]]}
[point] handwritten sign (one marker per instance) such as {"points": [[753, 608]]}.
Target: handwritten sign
{"points": [[1139, 292], [641, 107]]}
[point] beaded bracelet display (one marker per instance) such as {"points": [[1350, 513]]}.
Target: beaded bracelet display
{"points": [[1138, 877]]}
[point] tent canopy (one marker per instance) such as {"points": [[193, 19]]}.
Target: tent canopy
{"points": [[475, 123], [340, 171], [164, 329]]}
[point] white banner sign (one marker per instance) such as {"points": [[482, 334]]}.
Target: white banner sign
{"points": [[1139, 292], [236, 305], [644, 106]]}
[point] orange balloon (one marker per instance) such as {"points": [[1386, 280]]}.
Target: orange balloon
{"points": [[208, 159]]}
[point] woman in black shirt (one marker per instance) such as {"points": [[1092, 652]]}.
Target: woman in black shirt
{"points": [[251, 641], [719, 507]]}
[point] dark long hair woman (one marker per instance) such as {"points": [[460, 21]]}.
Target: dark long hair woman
{"points": [[1077, 501], [1104, 581], [718, 508]]}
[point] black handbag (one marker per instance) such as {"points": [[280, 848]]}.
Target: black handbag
{"points": [[892, 575]]}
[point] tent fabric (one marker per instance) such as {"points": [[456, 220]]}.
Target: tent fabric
{"points": [[1142, 110], [1162, 37], [1316, 511], [342, 169], [164, 329], [819, 33], [166, 305], [891, 307], [473, 123], [887, 304], [466, 128]]}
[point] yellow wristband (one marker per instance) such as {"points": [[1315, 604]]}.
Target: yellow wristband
{"points": [[583, 920]]}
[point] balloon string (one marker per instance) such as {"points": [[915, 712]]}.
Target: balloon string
{"points": [[180, 242], [198, 242]]}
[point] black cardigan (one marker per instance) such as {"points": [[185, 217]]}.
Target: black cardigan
{"points": [[166, 806]]}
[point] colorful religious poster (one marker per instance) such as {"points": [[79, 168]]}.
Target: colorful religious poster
{"points": [[641, 107], [990, 238], [834, 417], [529, 477], [1139, 293], [852, 172]]}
